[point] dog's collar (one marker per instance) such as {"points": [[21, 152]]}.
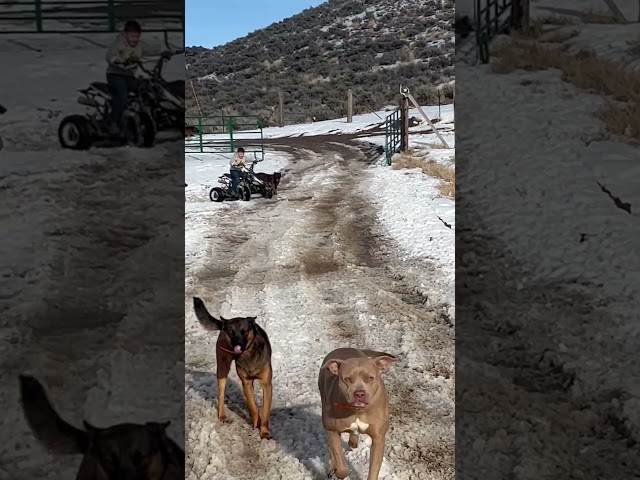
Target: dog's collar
{"points": [[246, 349]]}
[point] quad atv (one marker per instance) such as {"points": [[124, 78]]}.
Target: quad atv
{"points": [[154, 106], [249, 184], [222, 193]]}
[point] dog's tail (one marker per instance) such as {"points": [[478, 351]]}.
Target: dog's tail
{"points": [[374, 354], [207, 321], [48, 427]]}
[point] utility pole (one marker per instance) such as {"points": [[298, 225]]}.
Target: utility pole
{"points": [[350, 106], [196, 97], [193, 90]]}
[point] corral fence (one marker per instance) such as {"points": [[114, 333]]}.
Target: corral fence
{"points": [[493, 17], [224, 134], [89, 16], [392, 135]]}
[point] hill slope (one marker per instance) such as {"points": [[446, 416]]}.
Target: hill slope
{"points": [[371, 46]]}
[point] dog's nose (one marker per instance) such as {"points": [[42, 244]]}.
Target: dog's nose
{"points": [[360, 395]]}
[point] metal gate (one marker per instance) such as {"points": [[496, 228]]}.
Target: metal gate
{"points": [[392, 135], [492, 17], [223, 134], [89, 16]]}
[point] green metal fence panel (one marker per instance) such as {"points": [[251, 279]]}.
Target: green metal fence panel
{"points": [[493, 17], [392, 135], [89, 16], [224, 133]]}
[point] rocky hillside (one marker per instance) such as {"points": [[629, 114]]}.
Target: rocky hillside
{"points": [[371, 46]]}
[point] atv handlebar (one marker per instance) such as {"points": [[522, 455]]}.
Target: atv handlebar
{"points": [[250, 167], [157, 68]]}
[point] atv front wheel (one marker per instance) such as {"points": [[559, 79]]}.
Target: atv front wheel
{"points": [[216, 194], [74, 132]]}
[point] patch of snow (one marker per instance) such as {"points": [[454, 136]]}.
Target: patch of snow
{"points": [[532, 117], [211, 76], [413, 214]]}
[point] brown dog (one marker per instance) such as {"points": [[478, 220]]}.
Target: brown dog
{"points": [[270, 179], [354, 401], [120, 452], [243, 340]]}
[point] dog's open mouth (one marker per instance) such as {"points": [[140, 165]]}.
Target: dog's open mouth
{"points": [[237, 349], [360, 404]]}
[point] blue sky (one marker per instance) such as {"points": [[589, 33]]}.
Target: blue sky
{"points": [[210, 23]]}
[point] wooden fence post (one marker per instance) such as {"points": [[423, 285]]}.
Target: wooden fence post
{"points": [[404, 124], [526, 9], [350, 106], [520, 19]]}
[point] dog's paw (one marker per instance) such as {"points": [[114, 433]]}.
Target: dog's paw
{"points": [[265, 434], [340, 473], [354, 440], [222, 418], [256, 422]]}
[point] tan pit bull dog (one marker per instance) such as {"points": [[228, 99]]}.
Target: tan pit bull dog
{"points": [[354, 401]]}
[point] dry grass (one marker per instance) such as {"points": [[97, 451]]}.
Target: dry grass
{"points": [[604, 18], [436, 146], [585, 71], [446, 175]]}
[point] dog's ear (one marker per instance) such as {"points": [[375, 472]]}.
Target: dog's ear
{"points": [[383, 362], [88, 427], [333, 366], [252, 320], [204, 317], [158, 428], [91, 430]]}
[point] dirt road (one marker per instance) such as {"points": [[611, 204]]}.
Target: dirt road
{"points": [[307, 264]]}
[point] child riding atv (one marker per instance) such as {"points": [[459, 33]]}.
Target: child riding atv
{"points": [[123, 57], [237, 164]]}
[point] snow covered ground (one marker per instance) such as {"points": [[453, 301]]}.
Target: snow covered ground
{"points": [[79, 237], [578, 8], [347, 254], [533, 159]]}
